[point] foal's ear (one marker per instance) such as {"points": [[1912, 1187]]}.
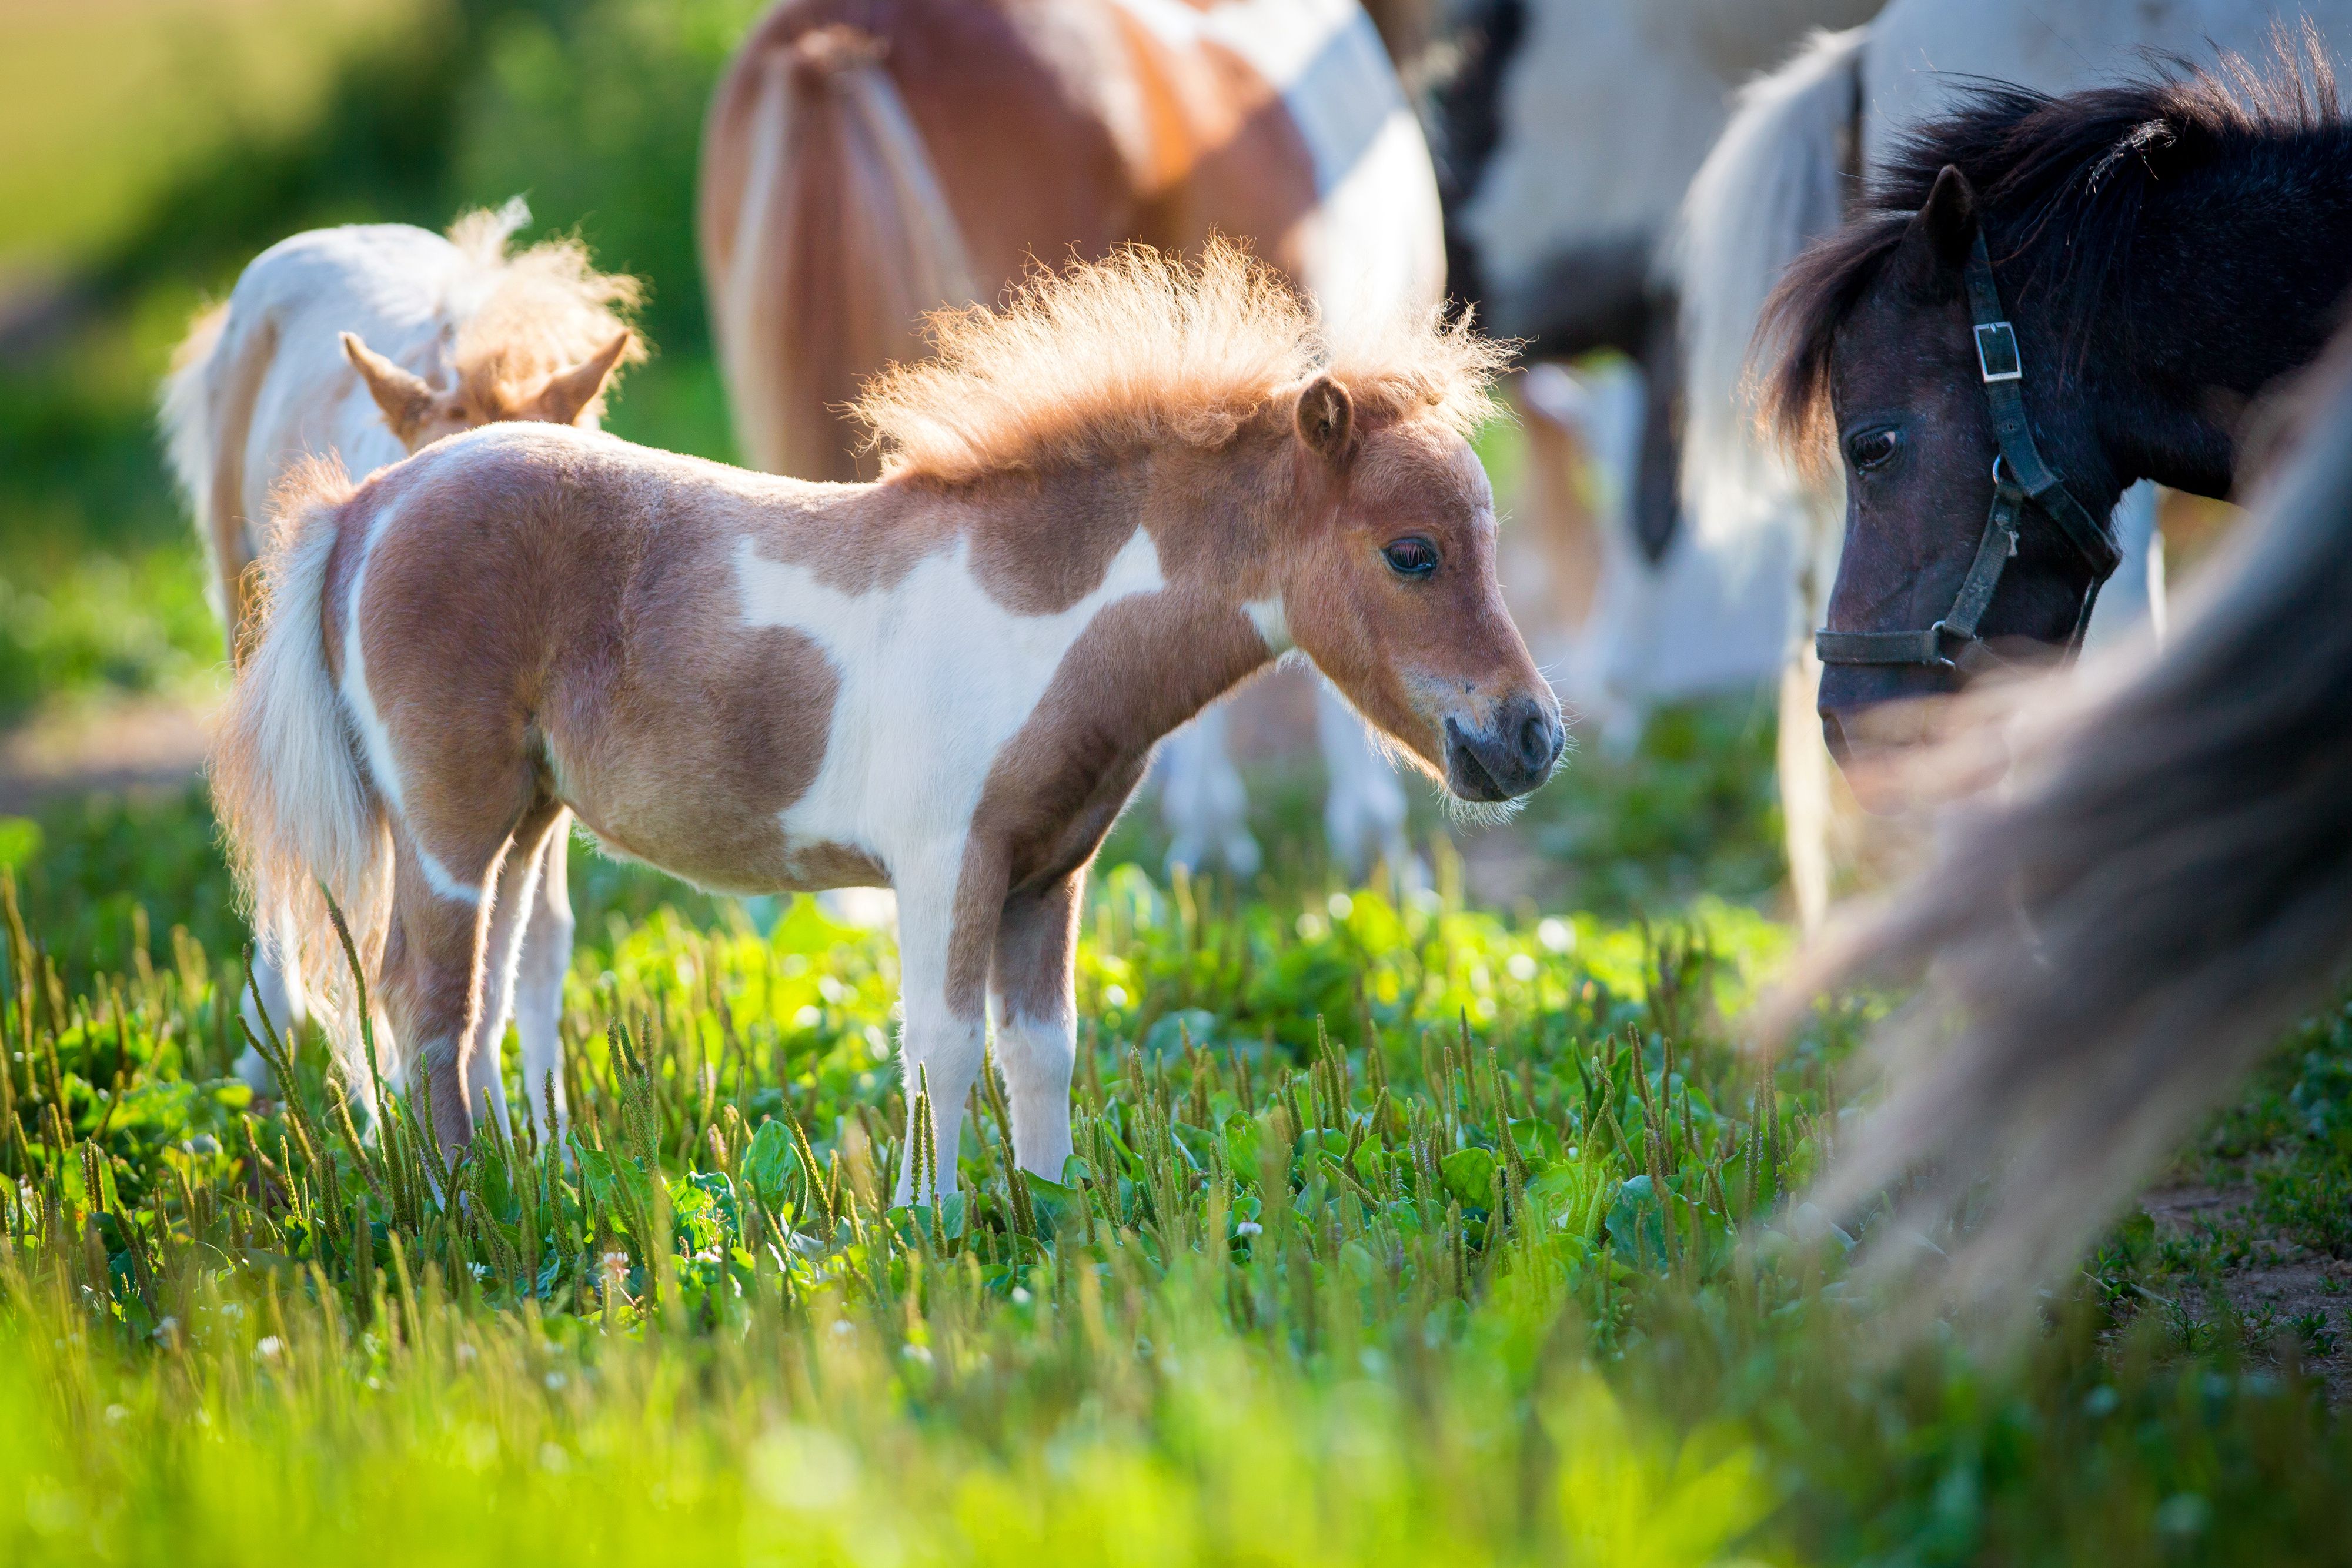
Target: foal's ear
{"points": [[1936, 246], [1327, 419], [404, 398], [568, 393]]}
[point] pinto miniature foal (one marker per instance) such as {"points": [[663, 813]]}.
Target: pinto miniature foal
{"points": [[361, 345], [1100, 509]]}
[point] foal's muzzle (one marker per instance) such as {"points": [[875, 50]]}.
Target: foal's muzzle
{"points": [[1508, 757]]}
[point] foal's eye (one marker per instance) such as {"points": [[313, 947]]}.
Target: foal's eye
{"points": [[1411, 558], [1870, 448]]}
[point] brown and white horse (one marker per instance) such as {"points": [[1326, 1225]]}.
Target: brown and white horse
{"points": [[864, 164], [1099, 509], [361, 345]]}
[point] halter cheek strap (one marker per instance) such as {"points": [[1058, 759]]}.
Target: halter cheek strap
{"points": [[2022, 481]]}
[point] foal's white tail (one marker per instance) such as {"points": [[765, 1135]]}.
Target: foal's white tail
{"points": [[840, 240], [299, 811], [1773, 184]]}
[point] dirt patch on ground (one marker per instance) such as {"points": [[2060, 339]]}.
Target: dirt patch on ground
{"points": [[2273, 1284], [131, 746]]}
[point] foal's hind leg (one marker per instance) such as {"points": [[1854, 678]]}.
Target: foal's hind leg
{"points": [[514, 911], [445, 925], [281, 998]]}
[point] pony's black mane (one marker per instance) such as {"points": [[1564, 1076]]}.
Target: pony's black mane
{"points": [[2060, 185]]}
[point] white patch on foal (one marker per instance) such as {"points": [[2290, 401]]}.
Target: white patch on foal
{"points": [[936, 676], [1273, 623]]}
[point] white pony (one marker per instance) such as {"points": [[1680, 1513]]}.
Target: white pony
{"points": [[360, 345], [1600, 113], [1799, 142]]}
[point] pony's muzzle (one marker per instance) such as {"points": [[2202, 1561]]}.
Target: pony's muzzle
{"points": [[1508, 757]]}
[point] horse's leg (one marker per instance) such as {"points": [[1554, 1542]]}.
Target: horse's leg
{"points": [[1363, 808], [1656, 477], [514, 903], [281, 998], [432, 974], [946, 932], [1037, 1026], [539, 983], [1201, 798], [1552, 503], [1804, 768]]}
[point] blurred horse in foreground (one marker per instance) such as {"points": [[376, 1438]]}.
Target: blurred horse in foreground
{"points": [[864, 164], [2162, 881], [360, 345]]}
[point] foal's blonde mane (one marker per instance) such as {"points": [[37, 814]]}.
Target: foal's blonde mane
{"points": [[542, 309], [1144, 348]]}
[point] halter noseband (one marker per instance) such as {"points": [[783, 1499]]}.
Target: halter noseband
{"points": [[2020, 479]]}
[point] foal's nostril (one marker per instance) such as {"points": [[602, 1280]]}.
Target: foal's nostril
{"points": [[1538, 743]]}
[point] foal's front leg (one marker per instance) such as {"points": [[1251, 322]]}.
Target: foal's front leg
{"points": [[1037, 1028], [538, 984], [943, 985]]}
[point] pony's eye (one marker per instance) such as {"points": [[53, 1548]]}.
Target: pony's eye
{"points": [[1870, 448], [1411, 558]]}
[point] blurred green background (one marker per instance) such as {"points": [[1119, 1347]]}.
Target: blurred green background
{"points": [[149, 148]]}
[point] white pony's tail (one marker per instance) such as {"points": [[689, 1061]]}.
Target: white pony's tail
{"points": [[207, 413], [826, 239], [1773, 184], [185, 410], [294, 800]]}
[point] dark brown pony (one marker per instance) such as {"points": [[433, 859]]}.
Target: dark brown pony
{"points": [[2161, 251]]}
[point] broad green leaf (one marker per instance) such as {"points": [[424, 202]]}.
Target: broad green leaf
{"points": [[771, 1161], [1470, 1175]]}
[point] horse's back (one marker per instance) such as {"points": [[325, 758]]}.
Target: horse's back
{"points": [[1338, 189], [999, 96], [864, 164]]}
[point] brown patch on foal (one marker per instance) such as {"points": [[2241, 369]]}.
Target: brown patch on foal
{"points": [[531, 662]]}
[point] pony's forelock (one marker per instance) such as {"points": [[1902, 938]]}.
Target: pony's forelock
{"points": [[1145, 347], [1798, 331]]}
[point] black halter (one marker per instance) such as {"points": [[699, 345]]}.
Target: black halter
{"points": [[2020, 479]]}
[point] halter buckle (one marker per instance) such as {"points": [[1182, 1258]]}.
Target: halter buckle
{"points": [[1997, 355], [1936, 636]]}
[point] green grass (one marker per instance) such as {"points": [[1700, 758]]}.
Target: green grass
{"points": [[1401, 1233], [1396, 1233]]}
